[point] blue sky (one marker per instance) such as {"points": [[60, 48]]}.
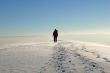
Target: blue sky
{"points": [[22, 17]]}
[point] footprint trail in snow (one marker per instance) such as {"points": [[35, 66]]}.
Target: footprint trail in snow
{"points": [[68, 60]]}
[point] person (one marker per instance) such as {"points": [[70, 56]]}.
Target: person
{"points": [[55, 35]]}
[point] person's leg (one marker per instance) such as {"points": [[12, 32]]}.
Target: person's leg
{"points": [[54, 38]]}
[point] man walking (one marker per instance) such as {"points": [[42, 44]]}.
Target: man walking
{"points": [[55, 35]]}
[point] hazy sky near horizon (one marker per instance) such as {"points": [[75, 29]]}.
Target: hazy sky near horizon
{"points": [[22, 17]]}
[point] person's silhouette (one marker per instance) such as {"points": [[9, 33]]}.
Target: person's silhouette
{"points": [[55, 35]]}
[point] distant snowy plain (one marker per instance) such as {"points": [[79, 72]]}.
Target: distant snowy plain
{"points": [[61, 57]]}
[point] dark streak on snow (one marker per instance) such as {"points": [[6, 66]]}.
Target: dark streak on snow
{"points": [[62, 62]]}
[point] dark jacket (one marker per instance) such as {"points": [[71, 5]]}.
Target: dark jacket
{"points": [[55, 33]]}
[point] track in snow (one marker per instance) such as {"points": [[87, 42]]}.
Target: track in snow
{"points": [[68, 60]]}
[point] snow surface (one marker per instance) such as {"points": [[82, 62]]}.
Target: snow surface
{"points": [[61, 57]]}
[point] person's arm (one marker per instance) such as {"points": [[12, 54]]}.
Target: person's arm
{"points": [[53, 33], [57, 32]]}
